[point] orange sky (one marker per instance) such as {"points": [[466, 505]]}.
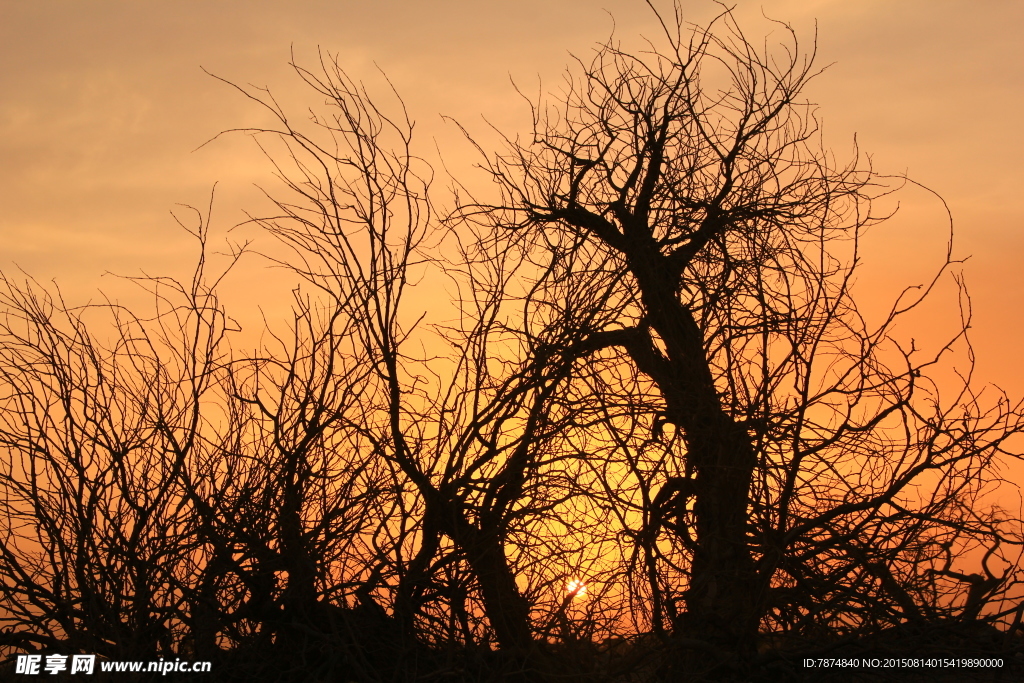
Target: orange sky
{"points": [[103, 102]]}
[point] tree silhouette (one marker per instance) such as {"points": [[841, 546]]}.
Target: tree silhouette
{"points": [[818, 481], [653, 382]]}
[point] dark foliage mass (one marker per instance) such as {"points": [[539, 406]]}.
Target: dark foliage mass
{"points": [[651, 438]]}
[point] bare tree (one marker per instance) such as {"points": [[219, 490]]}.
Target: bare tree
{"points": [[98, 541], [814, 477], [467, 427]]}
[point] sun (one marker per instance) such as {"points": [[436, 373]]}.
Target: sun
{"points": [[576, 588]]}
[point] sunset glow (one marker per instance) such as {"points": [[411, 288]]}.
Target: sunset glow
{"points": [[576, 588], [393, 352]]}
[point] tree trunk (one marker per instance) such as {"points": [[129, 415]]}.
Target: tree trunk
{"points": [[507, 610], [721, 601]]}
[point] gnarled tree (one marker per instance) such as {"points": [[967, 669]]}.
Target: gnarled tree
{"points": [[814, 478]]}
